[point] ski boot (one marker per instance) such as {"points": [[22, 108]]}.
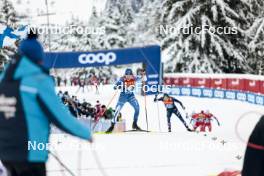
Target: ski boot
{"points": [[169, 130], [136, 127], [111, 128], [169, 127]]}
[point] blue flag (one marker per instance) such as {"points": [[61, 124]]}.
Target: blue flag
{"points": [[8, 36]]}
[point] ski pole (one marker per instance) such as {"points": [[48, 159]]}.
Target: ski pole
{"points": [[61, 163], [156, 96], [98, 162], [186, 114], [146, 111], [145, 104], [106, 107], [79, 167]]}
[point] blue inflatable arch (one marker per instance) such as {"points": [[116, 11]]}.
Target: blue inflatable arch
{"points": [[148, 55]]}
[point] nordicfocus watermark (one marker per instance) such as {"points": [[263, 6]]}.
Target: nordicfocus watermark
{"points": [[188, 145], [137, 88], [68, 30], [175, 30], [141, 86], [73, 145]]}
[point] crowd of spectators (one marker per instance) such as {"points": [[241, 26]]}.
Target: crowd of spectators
{"points": [[86, 78], [84, 109]]}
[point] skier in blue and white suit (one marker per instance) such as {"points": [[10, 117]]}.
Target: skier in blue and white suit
{"points": [[127, 85]]}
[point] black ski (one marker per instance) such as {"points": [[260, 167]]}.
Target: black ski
{"points": [[137, 131]]}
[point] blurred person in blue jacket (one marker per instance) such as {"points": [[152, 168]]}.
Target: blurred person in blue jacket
{"points": [[28, 105]]}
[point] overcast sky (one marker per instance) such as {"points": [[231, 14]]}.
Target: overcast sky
{"points": [[63, 9]]}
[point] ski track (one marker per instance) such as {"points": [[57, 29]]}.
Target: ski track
{"points": [[158, 152]]}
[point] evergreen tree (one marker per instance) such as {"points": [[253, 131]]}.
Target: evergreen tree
{"points": [[78, 40], [256, 36], [137, 5], [116, 18], [143, 30], [206, 51], [8, 17]]}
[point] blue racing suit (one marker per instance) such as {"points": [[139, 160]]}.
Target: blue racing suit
{"points": [[127, 95]]}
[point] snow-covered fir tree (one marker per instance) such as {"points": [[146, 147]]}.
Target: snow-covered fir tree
{"points": [[137, 5], [256, 36], [205, 51], [75, 41], [143, 30], [8, 17], [116, 18]]}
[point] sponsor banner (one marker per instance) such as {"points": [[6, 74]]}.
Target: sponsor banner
{"points": [[236, 84], [216, 93], [241, 96], [175, 91], [261, 87], [186, 91], [232, 84], [251, 98], [230, 95], [219, 83], [148, 55], [207, 92], [196, 92], [105, 58], [260, 100], [252, 85], [219, 94], [186, 82], [167, 81], [201, 82]]}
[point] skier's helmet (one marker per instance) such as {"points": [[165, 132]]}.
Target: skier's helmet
{"points": [[165, 95], [128, 71]]}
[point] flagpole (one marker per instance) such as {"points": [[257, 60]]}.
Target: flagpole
{"points": [[48, 22]]}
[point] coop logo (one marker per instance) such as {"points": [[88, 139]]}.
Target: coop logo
{"points": [[105, 58]]}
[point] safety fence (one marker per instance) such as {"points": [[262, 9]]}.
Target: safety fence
{"points": [[245, 88]]}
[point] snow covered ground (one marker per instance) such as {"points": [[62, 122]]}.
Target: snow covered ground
{"points": [[159, 153]]}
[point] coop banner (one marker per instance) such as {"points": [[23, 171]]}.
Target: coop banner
{"points": [[149, 55]]}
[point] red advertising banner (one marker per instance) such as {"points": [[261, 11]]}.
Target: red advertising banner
{"points": [[252, 85], [262, 87], [186, 82], [247, 85], [176, 82], [235, 84], [202, 82], [167, 80], [218, 83]]}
